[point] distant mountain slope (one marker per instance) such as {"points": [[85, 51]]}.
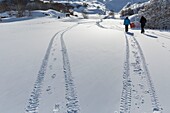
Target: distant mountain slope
{"points": [[117, 5], [157, 17]]}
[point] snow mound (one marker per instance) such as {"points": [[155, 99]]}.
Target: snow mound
{"points": [[50, 12]]}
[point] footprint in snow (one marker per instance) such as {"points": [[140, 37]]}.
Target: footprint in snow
{"points": [[163, 45], [48, 88], [53, 76], [56, 108]]}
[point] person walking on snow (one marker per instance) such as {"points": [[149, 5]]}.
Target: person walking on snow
{"points": [[142, 22], [126, 23]]}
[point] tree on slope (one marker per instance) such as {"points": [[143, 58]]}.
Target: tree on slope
{"points": [[157, 14]]}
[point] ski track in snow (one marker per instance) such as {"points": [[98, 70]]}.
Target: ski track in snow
{"points": [[135, 93], [125, 103], [116, 27], [154, 98], [71, 96], [37, 90], [99, 25]]}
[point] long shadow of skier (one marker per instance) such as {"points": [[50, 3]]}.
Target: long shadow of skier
{"points": [[129, 33], [152, 36]]}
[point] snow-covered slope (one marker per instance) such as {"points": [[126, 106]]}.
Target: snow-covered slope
{"points": [[117, 5], [55, 66], [158, 17]]}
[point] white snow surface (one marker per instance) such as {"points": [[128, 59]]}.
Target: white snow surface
{"points": [[60, 65]]}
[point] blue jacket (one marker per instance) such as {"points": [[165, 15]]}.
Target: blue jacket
{"points": [[126, 21]]}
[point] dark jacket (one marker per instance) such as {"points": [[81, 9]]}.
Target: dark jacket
{"points": [[143, 21]]}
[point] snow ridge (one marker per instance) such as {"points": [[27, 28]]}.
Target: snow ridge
{"points": [[71, 95], [125, 103], [37, 90]]}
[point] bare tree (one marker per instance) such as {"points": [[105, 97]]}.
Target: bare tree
{"points": [[20, 7]]}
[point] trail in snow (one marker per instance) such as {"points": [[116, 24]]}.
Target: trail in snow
{"points": [[98, 24], [71, 94], [138, 87], [37, 90], [135, 77], [154, 99], [125, 103], [116, 27]]}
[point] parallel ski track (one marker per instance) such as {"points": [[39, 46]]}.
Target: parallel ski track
{"points": [[154, 99], [71, 94], [37, 90], [125, 102]]}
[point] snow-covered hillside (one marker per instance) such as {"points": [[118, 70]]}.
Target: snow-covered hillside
{"points": [[51, 65], [158, 17], [115, 5]]}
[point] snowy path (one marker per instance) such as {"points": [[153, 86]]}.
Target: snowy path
{"points": [[85, 50], [82, 65], [138, 87], [125, 103], [36, 93], [71, 96]]}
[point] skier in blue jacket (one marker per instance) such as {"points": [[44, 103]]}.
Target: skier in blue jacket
{"points": [[126, 23]]}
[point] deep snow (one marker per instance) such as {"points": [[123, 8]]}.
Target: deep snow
{"points": [[79, 64]]}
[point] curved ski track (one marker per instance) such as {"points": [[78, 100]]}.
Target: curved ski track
{"points": [[116, 27], [137, 82], [71, 96], [125, 103], [37, 90]]}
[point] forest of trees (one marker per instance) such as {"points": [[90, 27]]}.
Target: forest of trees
{"points": [[26, 5], [157, 14]]}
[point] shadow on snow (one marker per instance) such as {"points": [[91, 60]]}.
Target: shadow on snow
{"points": [[129, 33], [151, 36]]}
